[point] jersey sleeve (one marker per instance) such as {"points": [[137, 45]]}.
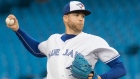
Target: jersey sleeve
{"points": [[46, 46], [107, 54], [104, 52], [43, 47]]}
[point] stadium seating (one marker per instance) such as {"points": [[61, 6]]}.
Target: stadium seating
{"points": [[117, 21]]}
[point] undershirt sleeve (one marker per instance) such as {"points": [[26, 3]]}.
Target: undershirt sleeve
{"points": [[29, 43]]}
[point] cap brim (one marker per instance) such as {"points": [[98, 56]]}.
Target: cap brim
{"points": [[86, 12]]}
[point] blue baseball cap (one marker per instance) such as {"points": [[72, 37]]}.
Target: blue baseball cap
{"points": [[75, 6]]}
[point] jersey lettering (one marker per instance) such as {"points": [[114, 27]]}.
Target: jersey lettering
{"points": [[54, 52], [68, 52]]}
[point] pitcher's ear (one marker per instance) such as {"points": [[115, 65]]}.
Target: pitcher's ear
{"points": [[65, 18]]}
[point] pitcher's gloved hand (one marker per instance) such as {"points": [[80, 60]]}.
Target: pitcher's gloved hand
{"points": [[81, 68]]}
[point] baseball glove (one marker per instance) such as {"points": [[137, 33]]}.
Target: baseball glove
{"points": [[80, 68]]}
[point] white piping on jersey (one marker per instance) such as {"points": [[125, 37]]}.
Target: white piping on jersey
{"points": [[29, 46], [112, 59]]}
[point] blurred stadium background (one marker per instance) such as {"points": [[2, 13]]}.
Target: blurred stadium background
{"points": [[117, 21]]}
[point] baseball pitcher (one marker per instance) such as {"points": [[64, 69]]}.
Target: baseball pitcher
{"points": [[73, 54]]}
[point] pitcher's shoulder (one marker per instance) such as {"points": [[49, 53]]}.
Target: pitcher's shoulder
{"points": [[55, 36], [93, 36], [96, 39]]}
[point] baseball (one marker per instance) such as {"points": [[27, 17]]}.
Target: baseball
{"points": [[9, 21]]}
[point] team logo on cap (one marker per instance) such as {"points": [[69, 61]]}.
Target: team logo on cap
{"points": [[80, 5]]}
